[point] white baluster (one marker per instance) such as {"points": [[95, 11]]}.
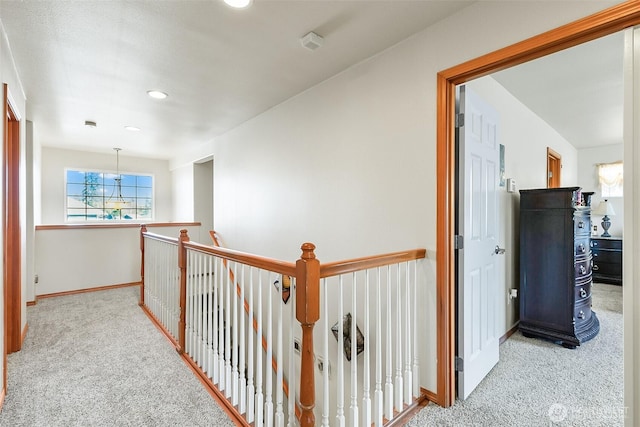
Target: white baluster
{"points": [[340, 419], [172, 289], [235, 345], [210, 315], [199, 308], [366, 397], [259, 411], [291, 399], [251, 391], [416, 370], [279, 415], [173, 282], [408, 377], [325, 354], [388, 385], [378, 394], [354, 355], [398, 386], [193, 305], [188, 308], [268, 404], [227, 333], [217, 272], [242, 407], [203, 313], [221, 326]]}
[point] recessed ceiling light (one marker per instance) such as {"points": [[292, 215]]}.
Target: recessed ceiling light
{"points": [[90, 123], [238, 4], [132, 128], [157, 94]]}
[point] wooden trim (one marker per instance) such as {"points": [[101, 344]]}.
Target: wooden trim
{"points": [[510, 332], [206, 382], [445, 221], [115, 225], [160, 327], [160, 237], [32, 303], [554, 168], [225, 403], [265, 263], [409, 411], [358, 264], [82, 291], [430, 395], [12, 274], [600, 24], [24, 333]]}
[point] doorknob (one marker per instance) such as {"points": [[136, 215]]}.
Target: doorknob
{"points": [[499, 250]]}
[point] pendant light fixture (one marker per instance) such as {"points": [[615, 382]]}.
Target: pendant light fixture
{"points": [[116, 201]]}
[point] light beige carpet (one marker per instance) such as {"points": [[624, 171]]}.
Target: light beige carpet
{"points": [[95, 359], [538, 383]]}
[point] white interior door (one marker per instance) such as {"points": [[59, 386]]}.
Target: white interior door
{"points": [[478, 277]]}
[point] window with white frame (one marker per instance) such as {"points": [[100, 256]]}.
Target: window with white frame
{"points": [[98, 196], [610, 179]]}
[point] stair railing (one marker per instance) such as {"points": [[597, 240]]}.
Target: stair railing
{"points": [[231, 306]]}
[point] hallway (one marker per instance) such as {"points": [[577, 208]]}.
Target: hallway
{"points": [[95, 359]]}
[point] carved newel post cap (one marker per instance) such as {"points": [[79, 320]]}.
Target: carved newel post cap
{"points": [[307, 251]]}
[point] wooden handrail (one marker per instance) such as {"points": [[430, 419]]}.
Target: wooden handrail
{"points": [[160, 237], [364, 263], [92, 225], [264, 263]]}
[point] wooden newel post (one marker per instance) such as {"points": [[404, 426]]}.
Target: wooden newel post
{"points": [[143, 229], [182, 264], [307, 313]]}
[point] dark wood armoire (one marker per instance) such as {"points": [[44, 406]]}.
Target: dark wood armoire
{"points": [[555, 266]]}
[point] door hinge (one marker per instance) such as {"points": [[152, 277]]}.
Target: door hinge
{"points": [[458, 242], [459, 364], [459, 120]]}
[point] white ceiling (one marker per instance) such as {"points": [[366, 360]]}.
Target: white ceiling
{"points": [[578, 91], [95, 60]]}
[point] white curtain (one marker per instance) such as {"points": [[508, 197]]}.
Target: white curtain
{"points": [[610, 178]]}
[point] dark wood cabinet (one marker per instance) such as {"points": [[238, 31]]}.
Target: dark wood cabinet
{"points": [[607, 259], [556, 266]]}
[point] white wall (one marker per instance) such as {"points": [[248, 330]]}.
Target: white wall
{"points": [[30, 154], [588, 158], [182, 187], [92, 257], [350, 164], [526, 138], [53, 164], [203, 196]]}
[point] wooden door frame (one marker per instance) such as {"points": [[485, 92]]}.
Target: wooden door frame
{"points": [[554, 164], [608, 21], [12, 274]]}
